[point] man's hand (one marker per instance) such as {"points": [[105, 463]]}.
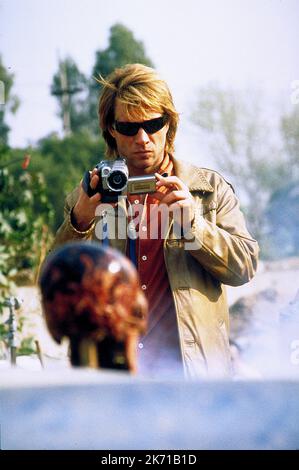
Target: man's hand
{"points": [[84, 211], [178, 198]]}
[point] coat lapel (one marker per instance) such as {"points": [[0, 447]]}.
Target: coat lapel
{"points": [[192, 176]]}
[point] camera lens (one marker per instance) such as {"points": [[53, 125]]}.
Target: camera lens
{"points": [[117, 180]]}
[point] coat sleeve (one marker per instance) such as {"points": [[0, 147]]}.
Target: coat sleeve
{"points": [[225, 249], [67, 232]]}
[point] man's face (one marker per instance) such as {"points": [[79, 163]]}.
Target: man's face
{"points": [[144, 152]]}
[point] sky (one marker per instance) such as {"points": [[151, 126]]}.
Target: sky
{"points": [[241, 44]]}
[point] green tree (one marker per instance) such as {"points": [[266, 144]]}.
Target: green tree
{"points": [[63, 163], [69, 86], [24, 214], [10, 105], [78, 96], [122, 49]]}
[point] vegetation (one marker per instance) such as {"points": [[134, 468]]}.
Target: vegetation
{"points": [[80, 93]]}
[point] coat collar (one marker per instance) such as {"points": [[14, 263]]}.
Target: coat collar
{"points": [[192, 176]]}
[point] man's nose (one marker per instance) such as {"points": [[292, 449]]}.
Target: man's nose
{"points": [[141, 136]]}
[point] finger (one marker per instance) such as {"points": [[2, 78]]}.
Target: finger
{"points": [[94, 181], [169, 181], [93, 172], [163, 181], [158, 195], [172, 197], [96, 198], [182, 204]]}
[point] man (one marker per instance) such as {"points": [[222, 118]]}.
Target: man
{"points": [[182, 271], [91, 295]]}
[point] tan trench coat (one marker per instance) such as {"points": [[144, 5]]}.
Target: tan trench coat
{"points": [[223, 252]]}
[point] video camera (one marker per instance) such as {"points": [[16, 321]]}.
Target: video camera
{"points": [[114, 181]]}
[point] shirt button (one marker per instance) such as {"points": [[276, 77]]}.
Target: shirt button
{"points": [[143, 287], [136, 201], [144, 228], [140, 345], [144, 258]]}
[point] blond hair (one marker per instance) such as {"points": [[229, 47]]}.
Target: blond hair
{"points": [[139, 89]]}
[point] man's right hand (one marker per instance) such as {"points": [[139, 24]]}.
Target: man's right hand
{"points": [[84, 210]]}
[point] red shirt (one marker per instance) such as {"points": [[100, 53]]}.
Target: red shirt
{"points": [[159, 351]]}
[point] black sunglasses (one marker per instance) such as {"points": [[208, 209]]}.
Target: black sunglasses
{"points": [[131, 128]]}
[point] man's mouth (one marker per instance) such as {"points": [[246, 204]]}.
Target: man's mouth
{"points": [[143, 152]]}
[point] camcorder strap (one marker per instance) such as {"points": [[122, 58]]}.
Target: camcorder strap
{"points": [[86, 185]]}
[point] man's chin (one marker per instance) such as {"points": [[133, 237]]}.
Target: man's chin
{"points": [[145, 165]]}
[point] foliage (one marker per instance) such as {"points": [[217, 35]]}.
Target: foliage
{"points": [[72, 94], [20, 236], [24, 340], [62, 162], [122, 49], [27, 346], [82, 106], [25, 214]]}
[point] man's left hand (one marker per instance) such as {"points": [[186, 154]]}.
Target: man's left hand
{"points": [[178, 198]]}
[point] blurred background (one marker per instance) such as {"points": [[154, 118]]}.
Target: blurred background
{"points": [[233, 69]]}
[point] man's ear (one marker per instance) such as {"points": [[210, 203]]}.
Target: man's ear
{"points": [[111, 131]]}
